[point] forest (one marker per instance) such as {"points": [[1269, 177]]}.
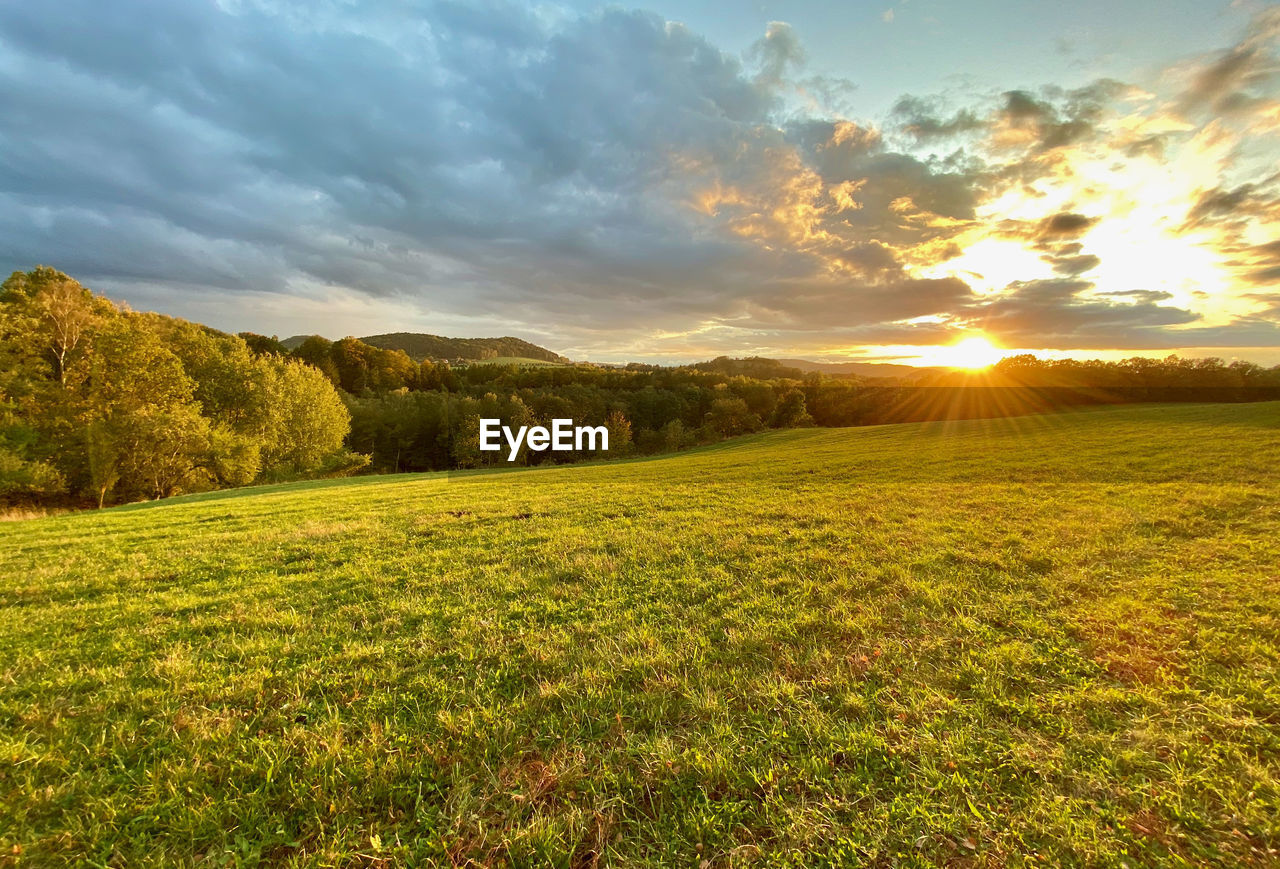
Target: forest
{"points": [[100, 404]]}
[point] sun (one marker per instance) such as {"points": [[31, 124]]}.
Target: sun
{"points": [[974, 351]]}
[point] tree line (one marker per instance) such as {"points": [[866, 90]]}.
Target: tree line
{"points": [[431, 422], [651, 409], [102, 404]]}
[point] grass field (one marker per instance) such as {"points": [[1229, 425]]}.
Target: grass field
{"points": [[1048, 640]]}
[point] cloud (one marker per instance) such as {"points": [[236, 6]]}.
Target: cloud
{"points": [[922, 119], [599, 179], [1241, 79], [778, 53], [352, 165], [1066, 224], [1259, 266], [1059, 313], [812, 306]]}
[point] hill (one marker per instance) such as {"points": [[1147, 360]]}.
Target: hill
{"points": [[1050, 636], [862, 369], [521, 361], [420, 346], [764, 368], [758, 367]]}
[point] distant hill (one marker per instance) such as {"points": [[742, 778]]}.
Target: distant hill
{"points": [[758, 367], [861, 369], [520, 361], [293, 342], [419, 346], [764, 368]]}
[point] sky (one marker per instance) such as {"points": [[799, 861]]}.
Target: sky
{"points": [[909, 181]]}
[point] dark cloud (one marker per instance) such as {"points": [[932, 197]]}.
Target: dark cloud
{"points": [[1270, 302], [1219, 203], [892, 190], [1234, 213], [1055, 235], [1065, 314], [1153, 147], [1065, 225], [1053, 118], [1073, 265], [872, 258], [360, 157], [1022, 108], [1061, 314], [808, 306], [923, 120], [1261, 267], [1057, 118]]}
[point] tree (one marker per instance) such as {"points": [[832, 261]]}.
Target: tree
{"points": [[363, 368], [351, 358], [317, 352], [229, 379], [515, 413], [673, 436], [22, 479], [619, 434], [731, 416], [791, 411], [261, 345], [307, 420], [113, 404], [464, 419], [143, 434], [759, 397], [234, 459], [391, 370], [66, 310], [25, 474], [105, 452], [152, 450]]}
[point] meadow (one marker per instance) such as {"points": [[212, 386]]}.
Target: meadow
{"points": [[1046, 640]]}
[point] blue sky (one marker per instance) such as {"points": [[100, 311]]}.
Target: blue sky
{"points": [[930, 45], [658, 183]]}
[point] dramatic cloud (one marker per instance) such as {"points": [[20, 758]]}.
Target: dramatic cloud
{"points": [[615, 184], [1060, 314]]}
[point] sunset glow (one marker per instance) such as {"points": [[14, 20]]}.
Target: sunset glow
{"points": [[975, 351], [803, 194]]}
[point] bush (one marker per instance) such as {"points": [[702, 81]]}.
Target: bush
{"points": [[22, 480]]}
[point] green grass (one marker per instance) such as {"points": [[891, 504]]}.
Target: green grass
{"points": [[1047, 640]]}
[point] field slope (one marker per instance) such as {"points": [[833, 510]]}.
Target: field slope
{"points": [[1048, 640]]}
